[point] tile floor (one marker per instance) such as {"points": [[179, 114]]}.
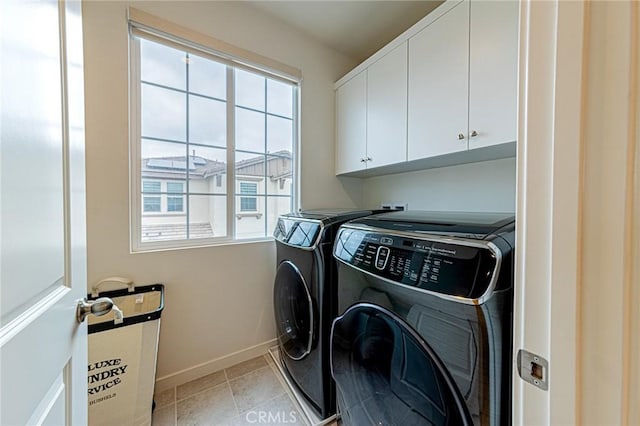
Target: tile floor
{"points": [[250, 393]]}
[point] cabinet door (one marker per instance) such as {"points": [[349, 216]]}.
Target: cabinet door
{"points": [[438, 86], [387, 109], [493, 72], [351, 123]]}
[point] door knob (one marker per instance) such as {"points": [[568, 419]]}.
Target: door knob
{"points": [[98, 307], [460, 136], [474, 133]]}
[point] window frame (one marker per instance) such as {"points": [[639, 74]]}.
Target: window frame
{"points": [[137, 31]]}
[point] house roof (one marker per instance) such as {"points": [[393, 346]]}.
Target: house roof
{"points": [[174, 167]]}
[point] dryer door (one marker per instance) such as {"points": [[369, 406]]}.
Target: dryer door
{"points": [[293, 311], [385, 373]]}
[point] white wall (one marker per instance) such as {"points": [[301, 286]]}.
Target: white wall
{"points": [[486, 186], [218, 299]]}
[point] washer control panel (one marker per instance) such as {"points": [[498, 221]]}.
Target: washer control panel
{"points": [[453, 269]]}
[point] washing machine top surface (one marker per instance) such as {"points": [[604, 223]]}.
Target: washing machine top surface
{"points": [[472, 225], [327, 216]]}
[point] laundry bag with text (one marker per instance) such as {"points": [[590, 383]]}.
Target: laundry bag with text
{"points": [[122, 357]]}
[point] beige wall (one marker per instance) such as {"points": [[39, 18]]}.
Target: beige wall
{"points": [[218, 299], [485, 186], [609, 330]]}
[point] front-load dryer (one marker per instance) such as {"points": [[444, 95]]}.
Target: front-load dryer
{"points": [[424, 332], [304, 300]]}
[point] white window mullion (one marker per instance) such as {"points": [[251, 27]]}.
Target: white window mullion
{"points": [[187, 190], [295, 163], [135, 181], [266, 161], [231, 150]]}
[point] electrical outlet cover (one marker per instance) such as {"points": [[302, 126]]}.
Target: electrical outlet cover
{"points": [[401, 206]]}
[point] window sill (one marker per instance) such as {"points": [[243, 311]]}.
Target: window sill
{"points": [[195, 244], [163, 214], [257, 215]]}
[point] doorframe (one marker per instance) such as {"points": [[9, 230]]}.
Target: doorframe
{"points": [[548, 214], [578, 211]]}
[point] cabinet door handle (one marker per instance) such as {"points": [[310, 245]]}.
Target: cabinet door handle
{"points": [[460, 136], [362, 160], [368, 159], [474, 133]]}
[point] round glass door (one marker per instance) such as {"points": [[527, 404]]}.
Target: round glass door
{"points": [[293, 311], [386, 374]]}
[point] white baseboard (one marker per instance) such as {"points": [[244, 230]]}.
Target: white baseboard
{"points": [[200, 370]]}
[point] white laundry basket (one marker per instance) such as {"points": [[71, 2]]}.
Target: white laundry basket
{"points": [[122, 357]]}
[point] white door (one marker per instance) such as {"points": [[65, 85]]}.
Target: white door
{"points": [[351, 124], [438, 86], [43, 264], [387, 109]]}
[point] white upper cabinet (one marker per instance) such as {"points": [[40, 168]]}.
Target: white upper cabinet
{"points": [[387, 109], [351, 124], [371, 115], [438, 86], [493, 73], [462, 80], [441, 93]]}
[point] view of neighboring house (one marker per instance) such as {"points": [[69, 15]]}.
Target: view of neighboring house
{"points": [[261, 194]]}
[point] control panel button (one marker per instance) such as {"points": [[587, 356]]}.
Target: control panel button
{"points": [[382, 257], [386, 240]]}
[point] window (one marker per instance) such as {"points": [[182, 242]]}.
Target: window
{"points": [[214, 146], [159, 197], [151, 203], [248, 204], [175, 202]]}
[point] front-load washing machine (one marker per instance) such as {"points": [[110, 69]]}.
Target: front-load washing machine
{"points": [[424, 332], [304, 300]]}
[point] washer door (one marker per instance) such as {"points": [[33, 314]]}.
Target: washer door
{"points": [[385, 373], [293, 311]]}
